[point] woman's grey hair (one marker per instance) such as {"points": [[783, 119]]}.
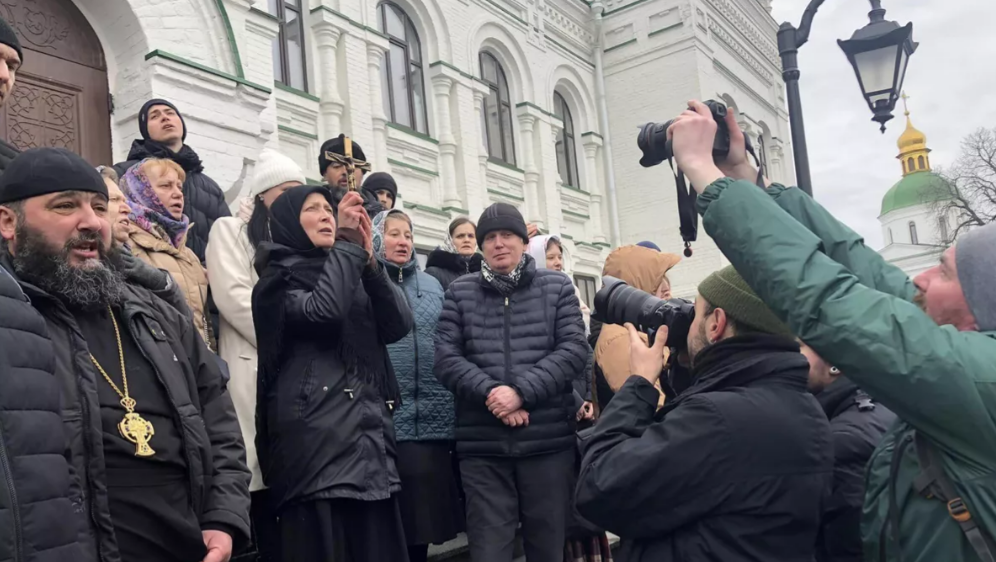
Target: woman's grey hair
{"points": [[108, 172]]}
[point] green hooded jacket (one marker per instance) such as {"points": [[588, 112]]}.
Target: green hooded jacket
{"points": [[856, 311]]}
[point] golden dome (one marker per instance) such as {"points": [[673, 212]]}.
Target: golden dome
{"points": [[911, 139]]}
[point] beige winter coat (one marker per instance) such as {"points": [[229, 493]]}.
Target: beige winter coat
{"points": [[641, 268], [229, 261], [181, 263]]}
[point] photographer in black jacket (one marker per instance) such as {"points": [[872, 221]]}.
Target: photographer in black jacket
{"points": [[737, 467]]}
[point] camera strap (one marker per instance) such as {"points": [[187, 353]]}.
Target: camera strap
{"points": [[688, 218]]}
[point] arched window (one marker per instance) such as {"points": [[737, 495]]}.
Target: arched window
{"points": [[921, 163], [890, 236], [942, 227], [497, 111], [913, 238], [762, 155], [909, 165], [567, 160], [403, 84]]}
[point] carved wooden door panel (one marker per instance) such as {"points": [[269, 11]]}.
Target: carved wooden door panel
{"points": [[60, 96]]}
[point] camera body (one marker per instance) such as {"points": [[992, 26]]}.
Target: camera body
{"points": [[652, 138], [618, 303]]}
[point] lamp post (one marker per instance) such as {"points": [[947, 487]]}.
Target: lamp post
{"points": [[878, 52]]}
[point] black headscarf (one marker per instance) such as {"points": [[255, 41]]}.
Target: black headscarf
{"points": [[285, 216], [292, 262]]}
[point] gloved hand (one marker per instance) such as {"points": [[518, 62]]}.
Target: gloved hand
{"points": [[142, 274]]}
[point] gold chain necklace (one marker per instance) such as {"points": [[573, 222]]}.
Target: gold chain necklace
{"points": [[133, 427]]}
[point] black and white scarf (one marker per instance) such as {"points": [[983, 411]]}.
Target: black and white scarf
{"points": [[502, 282]]}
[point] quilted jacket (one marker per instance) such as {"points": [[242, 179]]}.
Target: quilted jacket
{"points": [[426, 411], [533, 341]]}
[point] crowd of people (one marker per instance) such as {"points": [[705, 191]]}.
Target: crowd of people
{"points": [[288, 384]]}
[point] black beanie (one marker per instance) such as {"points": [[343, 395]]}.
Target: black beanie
{"points": [[9, 38], [381, 180], [337, 146], [143, 117], [501, 216], [40, 171]]}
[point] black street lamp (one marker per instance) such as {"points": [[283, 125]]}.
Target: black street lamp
{"points": [[878, 52]]}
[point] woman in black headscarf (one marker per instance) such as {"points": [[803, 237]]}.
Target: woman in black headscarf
{"points": [[324, 312]]}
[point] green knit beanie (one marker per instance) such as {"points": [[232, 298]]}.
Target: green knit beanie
{"points": [[727, 290]]}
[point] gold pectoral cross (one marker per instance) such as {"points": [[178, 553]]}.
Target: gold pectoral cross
{"points": [[139, 431]]}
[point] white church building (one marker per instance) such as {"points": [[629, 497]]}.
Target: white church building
{"points": [[466, 102], [915, 230]]}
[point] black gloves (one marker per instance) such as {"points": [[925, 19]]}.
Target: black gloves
{"points": [[142, 274]]}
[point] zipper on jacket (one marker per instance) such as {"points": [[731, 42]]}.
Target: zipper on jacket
{"points": [[415, 342], [508, 343], [176, 416], [14, 507]]}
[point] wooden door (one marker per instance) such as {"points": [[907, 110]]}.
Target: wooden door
{"points": [[60, 95]]}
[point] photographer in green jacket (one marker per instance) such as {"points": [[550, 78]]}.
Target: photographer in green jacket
{"points": [[925, 348]]}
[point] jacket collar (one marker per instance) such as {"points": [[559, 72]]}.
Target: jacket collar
{"points": [[155, 241], [841, 395], [454, 262], [742, 360], [528, 273]]}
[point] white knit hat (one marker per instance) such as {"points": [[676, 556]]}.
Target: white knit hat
{"points": [[273, 169]]}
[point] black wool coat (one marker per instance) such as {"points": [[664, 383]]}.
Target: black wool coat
{"points": [[532, 341]]}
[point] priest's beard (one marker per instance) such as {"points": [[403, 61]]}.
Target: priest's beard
{"points": [[98, 282]]}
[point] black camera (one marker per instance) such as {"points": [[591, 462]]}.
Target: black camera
{"points": [[618, 303], [652, 139]]}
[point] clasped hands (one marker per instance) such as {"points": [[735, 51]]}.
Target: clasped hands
{"points": [[506, 404]]}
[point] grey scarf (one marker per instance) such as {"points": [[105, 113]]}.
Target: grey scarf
{"points": [[504, 283]]}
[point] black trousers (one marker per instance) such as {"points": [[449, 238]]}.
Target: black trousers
{"points": [[502, 492]]}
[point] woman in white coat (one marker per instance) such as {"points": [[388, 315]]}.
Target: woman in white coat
{"points": [[230, 253]]}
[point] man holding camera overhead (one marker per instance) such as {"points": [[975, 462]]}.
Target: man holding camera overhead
{"points": [[925, 349], [736, 467]]}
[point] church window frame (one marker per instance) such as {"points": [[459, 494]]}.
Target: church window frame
{"points": [[290, 57], [942, 227], [565, 147], [914, 239], [921, 162], [402, 71], [909, 165], [498, 130]]}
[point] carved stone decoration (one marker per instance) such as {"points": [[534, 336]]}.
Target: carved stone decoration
{"points": [[43, 114], [741, 51], [763, 42], [54, 27]]}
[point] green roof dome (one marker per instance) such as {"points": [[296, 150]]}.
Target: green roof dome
{"points": [[915, 189]]}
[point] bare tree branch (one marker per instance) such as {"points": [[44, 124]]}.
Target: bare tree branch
{"points": [[968, 189]]}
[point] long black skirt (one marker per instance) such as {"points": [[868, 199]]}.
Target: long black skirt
{"points": [[342, 530], [431, 508]]}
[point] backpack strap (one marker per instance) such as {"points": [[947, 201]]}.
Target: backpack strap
{"points": [[933, 483]]}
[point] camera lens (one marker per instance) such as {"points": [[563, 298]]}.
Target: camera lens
{"points": [[652, 140], [618, 303]]}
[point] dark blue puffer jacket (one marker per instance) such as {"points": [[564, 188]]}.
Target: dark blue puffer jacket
{"points": [[533, 341]]}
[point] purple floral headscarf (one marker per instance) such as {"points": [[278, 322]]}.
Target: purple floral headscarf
{"points": [[147, 211]]}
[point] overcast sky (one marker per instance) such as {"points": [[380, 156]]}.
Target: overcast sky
{"points": [[951, 81]]}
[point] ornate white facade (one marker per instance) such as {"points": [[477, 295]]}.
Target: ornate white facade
{"points": [[215, 60]]}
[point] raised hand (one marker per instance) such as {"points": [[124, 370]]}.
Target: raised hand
{"points": [[647, 362]]}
